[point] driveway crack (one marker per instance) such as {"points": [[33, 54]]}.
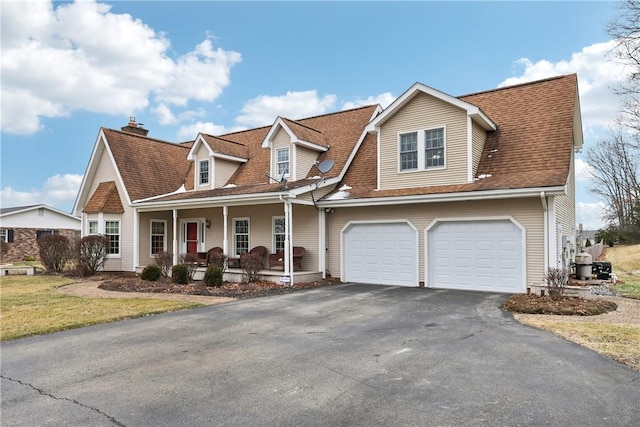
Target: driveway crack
{"points": [[44, 393]]}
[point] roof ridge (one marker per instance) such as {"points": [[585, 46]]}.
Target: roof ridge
{"points": [[149, 138], [340, 112], [532, 82], [224, 139], [303, 125]]}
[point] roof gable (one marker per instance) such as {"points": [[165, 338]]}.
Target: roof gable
{"points": [[473, 111], [105, 199], [220, 147], [17, 210], [298, 134]]}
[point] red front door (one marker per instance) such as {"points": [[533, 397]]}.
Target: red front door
{"points": [[192, 237]]}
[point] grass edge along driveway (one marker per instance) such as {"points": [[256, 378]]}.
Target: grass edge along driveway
{"points": [[30, 305]]}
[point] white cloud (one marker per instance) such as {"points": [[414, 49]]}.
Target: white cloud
{"points": [[597, 76], [583, 170], [189, 132], [58, 190], [384, 99], [264, 109], [590, 214], [164, 115], [79, 56]]}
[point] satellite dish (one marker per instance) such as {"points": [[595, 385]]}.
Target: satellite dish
{"points": [[281, 176], [325, 166]]}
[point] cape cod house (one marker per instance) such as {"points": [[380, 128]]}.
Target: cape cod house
{"points": [[469, 192]]}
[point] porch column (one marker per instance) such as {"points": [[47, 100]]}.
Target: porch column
{"points": [[291, 240], [287, 249], [322, 243], [175, 236], [136, 238], [225, 240]]}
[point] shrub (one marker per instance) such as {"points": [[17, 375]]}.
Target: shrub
{"points": [[55, 252], [251, 266], [556, 280], [587, 243], [31, 258], [219, 260], [151, 273], [191, 262], [213, 276], [180, 274], [164, 261], [91, 253], [607, 235]]}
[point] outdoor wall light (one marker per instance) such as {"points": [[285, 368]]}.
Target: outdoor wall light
{"points": [[207, 223]]}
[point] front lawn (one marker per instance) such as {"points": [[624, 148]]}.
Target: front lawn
{"points": [[30, 305], [625, 261]]}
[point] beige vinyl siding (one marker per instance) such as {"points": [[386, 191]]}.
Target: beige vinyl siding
{"points": [[566, 213], [305, 234], [304, 160], [479, 137], [280, 140], [528, 212], [144, 227], [223, 170], [424, 112], [107, 172]]}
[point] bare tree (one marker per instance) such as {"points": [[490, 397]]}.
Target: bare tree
{"points": [[615, 167]]}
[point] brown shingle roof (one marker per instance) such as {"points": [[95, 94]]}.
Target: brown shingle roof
{"points": [[149, 167], [534, 142], [105, 199], [306, 133], [224, 146]]}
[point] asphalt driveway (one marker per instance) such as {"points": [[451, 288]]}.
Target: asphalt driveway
{"points": [[345, 355]]}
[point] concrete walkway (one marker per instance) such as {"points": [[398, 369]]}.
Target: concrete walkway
{"points": [[89, 289]]}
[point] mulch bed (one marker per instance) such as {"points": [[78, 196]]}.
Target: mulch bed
{"points": [[568, 306], [230, 290]]}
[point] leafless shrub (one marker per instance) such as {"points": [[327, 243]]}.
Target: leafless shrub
{"points": [[55, 252], [556, 280], [164, 260], [91, 253], [219, 260], [191, 261], [251, 266]]}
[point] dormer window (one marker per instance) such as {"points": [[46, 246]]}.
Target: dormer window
{"points": [[422, 150], [282, 161], [204, 172]]}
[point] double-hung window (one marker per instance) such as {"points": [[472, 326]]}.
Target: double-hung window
{"points": [[204, 172], [112, 231], [434, 148], [409, 151], [278, 234], [3, 235], [158, 236], [93, 227], [282, 161], [240, 235], [422, 150]]}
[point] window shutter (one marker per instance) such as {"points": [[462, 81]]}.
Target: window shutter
{"points": [[38, 234], [10, 235]]}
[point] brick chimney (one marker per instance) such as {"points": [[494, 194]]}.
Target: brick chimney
{"points": [[134, 127]]}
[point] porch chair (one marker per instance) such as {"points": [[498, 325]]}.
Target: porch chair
{"points": [[277, 259], [214, 253]]}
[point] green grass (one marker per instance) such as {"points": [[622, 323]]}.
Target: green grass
{"points": [[625, 261], [30, 305]]}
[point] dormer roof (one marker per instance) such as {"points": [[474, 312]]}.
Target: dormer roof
{"points": [[220, 148], [472, 111], [298, 133], [105, 199]]}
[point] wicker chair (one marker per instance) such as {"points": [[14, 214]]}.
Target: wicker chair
{"points": [[277, 260], [259, 251]]}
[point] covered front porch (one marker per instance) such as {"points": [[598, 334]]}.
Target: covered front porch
{"points": [[275, 225]]}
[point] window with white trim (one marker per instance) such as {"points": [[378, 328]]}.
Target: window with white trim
{"points": [[434, 148], [409, 151], [240, 235], [3, 235], [158, 236], [112, 231], [282, 161], [278, 234], [421, 150], [203, 172], [93, 227]]}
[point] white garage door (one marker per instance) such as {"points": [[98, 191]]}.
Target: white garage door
{"points": [[381, 253], [476, 255]]}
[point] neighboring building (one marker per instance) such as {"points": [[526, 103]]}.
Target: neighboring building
{"points": [[471, 192], [21, 226]]}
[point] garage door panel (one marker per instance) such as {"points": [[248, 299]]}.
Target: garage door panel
{"points": [[476, 255], [381, 253]]}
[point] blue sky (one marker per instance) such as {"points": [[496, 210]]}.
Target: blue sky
{"points": [[180, 67]]}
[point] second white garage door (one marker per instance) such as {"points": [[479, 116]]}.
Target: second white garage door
{"points": [[381, 253], [476, 255]]}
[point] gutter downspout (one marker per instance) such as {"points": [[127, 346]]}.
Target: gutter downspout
{"points": [[545, 209]]}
